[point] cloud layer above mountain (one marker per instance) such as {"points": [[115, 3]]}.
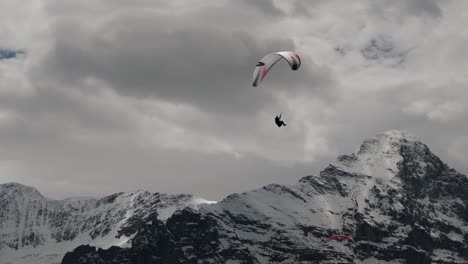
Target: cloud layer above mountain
{"points": [[112, 95]]}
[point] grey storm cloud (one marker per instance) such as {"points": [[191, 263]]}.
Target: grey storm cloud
{"points": [[264, 6], [146, 53], [188, 65], [424, 7], [115, 95], [409, 7]]}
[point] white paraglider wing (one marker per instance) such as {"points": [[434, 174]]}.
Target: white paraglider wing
{"points": [[264, 65]]}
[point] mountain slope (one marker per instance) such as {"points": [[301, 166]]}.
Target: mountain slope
{"points": [[34, 229], [399, 202]]}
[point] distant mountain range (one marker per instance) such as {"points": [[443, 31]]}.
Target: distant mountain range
{"points": [[397, 200], [34, 229]]}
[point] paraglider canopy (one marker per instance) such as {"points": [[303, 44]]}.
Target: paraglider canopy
{"points": [[265, 64]]}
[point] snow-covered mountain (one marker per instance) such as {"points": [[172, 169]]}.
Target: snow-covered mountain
{"points": [[398, 201], [34, 229]]}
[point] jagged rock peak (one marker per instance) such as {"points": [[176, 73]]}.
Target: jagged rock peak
{"points": [[386, 141], [380, 155]]}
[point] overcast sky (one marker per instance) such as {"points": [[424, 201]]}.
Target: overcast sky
{"points": [[114, 95]]}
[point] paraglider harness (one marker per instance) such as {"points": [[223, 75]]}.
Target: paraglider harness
{"points": [[278, 121]]}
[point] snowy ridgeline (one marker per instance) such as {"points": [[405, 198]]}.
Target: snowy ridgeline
{"points": [[34, 229], [399, 202]]}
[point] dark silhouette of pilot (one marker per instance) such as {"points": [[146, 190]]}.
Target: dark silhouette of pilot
{"points": [[278, 121]]}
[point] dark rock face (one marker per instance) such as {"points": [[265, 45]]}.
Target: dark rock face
{"points": [[399, 202], [419, 238], [415, 256], [163, 243]]}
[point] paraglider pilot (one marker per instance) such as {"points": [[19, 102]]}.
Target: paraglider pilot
{"points": [[278, 121]]}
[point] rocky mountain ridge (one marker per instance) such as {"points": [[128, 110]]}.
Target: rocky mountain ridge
{"points": [[34, 229], [399, 202]]}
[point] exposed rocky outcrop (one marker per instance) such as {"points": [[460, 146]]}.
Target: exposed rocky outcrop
{"points": [[34, 229]]}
